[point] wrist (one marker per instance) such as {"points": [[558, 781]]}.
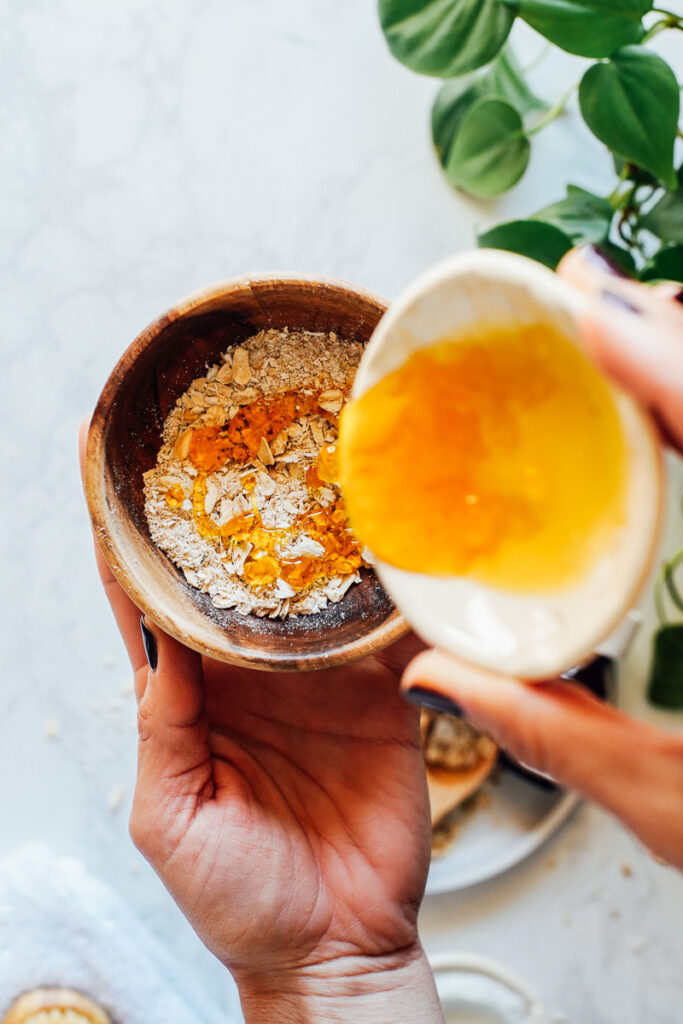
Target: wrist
{"points": [[397, 987]]}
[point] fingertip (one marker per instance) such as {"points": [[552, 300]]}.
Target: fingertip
{"points": [[485, 698], [150, 644], [175, 683]]}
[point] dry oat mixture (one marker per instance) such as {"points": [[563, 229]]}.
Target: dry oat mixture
{"points": [[242, 497]]}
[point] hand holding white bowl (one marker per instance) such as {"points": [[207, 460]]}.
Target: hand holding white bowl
{"points": [[635, 333]]}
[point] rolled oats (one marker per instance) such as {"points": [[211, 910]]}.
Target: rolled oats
{"points": [[191, 512]]}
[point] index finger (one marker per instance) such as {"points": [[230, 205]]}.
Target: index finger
{"points": [[126, 613], [632, 769]]}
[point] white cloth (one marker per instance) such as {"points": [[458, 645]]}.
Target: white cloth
{"points": [[60, 926]]}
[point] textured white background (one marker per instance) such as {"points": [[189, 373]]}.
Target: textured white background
{"points": [[147, 149]]}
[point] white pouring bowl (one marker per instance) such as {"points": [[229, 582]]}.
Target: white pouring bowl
{"points": [[530, 635]]}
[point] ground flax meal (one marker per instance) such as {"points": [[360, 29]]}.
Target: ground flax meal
{"points": [[243, 495]]}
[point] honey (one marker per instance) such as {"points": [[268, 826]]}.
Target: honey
{"points": [[240, 440], [175, 496], [341, 553], [324, 470], [499, 457]]}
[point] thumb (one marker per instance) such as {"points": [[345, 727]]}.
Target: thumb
{"points": [[174, 763], [558, 727]]}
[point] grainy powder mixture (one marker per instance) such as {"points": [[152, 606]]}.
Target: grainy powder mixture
{"points": [[253, 517]]}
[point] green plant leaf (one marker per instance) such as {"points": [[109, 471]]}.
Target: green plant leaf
{"points": [[451, 103], [490, 151], [453, 100], [541, 242], [631, 103], [665, 219], [591, 28], [506, 80], [622, 257], [582, 216], [665, 265], [445, 38], [665, 685]]}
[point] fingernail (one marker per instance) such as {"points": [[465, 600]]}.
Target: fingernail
{"points": [[425, 698], [150, 644], [619, 302], [599, 260], [678, 297]]}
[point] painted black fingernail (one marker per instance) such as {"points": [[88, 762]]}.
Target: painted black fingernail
{"points": [[619, 302], [599, 260], [678, 297], [425, 698], [150, 644]]}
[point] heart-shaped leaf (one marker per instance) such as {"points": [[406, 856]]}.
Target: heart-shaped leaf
{"points": [[591, 28], [665, 265], [507, 81], [490, 152], [451, 103], [584, 217], [631, 103], [541, 242], [454, 98], [665, 219], [445, 38], [665, 686]]}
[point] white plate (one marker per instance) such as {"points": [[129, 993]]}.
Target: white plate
{"points": [[518, 819]]}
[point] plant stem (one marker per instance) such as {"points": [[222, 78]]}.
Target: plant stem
{"points": [[540, 56], [665, 584], [554, 111], [671, 21], [613, 198], [660, 607], [669, 570], [669, 14]]}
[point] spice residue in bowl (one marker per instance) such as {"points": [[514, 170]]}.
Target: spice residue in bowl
{"points": [[243, 497]]}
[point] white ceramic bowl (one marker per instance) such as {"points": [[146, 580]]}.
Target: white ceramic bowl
{"points": [[532, 635]]}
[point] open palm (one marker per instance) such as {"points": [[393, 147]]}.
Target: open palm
{"points": [[286, 813]]}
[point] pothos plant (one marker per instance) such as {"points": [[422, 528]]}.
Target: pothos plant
{"points": [[485, 116]]}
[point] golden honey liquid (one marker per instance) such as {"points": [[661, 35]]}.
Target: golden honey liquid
{"points": [[500, 457]]}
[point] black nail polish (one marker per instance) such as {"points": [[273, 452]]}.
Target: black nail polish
{"points": [[597, 675], [425, 698], [619, 302], [678, 297], [599, 260], [150, 644]]}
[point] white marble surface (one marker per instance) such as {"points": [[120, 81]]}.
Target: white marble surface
{"points": [[150, 148]]}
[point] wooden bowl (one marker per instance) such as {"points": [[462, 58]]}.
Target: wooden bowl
{"points": [[125, 436]]}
